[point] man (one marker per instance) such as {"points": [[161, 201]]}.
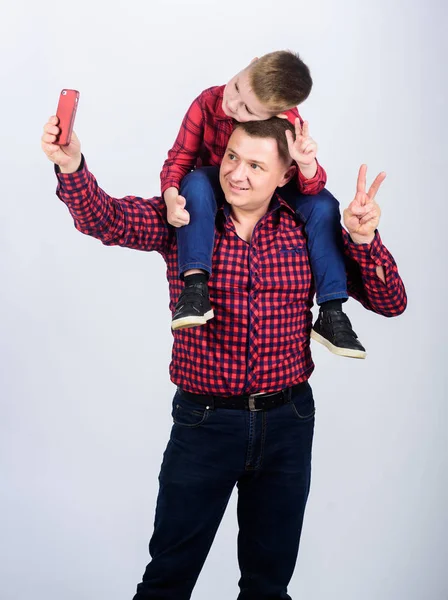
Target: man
{"points": [[243, 411]]}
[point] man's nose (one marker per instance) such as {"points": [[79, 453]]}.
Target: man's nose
{"points": [[239, 172]]}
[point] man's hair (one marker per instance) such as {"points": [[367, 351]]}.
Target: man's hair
{"points": [[271, 128], [280, 80]]}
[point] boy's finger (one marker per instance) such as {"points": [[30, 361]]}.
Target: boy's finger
{"points": [[306, 129], [298, 127], [290, 140]]}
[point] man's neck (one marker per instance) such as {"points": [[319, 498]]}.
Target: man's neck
{"points": [[245, 221]]}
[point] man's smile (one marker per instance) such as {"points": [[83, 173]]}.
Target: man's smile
{"points": [[237, 188]]}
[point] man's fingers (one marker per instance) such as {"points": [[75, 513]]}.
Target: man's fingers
{"points": [[376, 185], [49, 128], [48, 138], [359, 210], [361, 182], [370, 216]]}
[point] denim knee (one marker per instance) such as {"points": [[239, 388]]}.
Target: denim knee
{"points": [[325, 206], [197, 186]]}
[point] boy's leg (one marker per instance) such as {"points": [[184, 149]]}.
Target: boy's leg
{"points": [[196, 480], [322, 219], [195, 243]]}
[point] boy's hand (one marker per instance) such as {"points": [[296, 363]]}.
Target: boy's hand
{"points": [[68, 158], [303, 149], [175, 205], [362, 216]]}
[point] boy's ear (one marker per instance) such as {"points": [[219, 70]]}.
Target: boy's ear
{"points": [[253, 60], [282, 116]]}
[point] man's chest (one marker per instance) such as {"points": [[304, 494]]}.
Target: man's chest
{"points": [[274, 262]]}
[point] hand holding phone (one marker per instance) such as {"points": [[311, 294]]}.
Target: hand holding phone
{"points": [[68, 103]]}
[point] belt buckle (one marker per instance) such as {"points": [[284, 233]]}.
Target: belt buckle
{"points": [[252, 401]]}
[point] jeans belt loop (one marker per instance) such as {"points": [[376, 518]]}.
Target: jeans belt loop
{"points": [[252, 402]]}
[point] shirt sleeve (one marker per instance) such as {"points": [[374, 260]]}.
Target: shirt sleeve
{"points": [[131, 221], [388, 299], [183, 155], [317, 183]]}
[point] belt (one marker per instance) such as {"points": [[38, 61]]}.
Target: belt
{"points": [[252, 402]]}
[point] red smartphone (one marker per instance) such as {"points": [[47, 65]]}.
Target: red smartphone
{"points": [[68, 103]]}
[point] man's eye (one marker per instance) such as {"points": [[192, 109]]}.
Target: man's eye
{"points": [[231, 156], [255, 166]]}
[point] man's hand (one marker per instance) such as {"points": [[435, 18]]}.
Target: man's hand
{"points": [[303, 149], [362, 216], [175, 208], [68, 158]]}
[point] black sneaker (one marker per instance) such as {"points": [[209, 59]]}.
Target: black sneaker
{"points": [[193, 307], [334, 330]]}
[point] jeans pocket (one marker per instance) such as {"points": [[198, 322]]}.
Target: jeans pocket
{"points": [[187, 413], [303, 406]]}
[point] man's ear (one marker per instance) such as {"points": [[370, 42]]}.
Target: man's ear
{"points": [[288, 175], [281, 116]]}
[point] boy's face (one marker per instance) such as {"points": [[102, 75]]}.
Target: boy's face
{"points": [[240, 102], [251, 170]]}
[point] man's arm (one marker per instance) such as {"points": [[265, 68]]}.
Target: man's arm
{"points": [[131, 221], [372, 274], [373, 278]]}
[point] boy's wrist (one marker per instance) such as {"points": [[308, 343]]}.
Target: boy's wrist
{"points": [[308, 171], [170, 195]]}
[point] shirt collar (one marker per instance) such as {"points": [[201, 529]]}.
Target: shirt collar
{"points": [[276, 202], [219, 113]]}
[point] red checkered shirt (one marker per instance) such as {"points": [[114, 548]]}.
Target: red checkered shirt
{"points": [[261, 292], [202, 141]]}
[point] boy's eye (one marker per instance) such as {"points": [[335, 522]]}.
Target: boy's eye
{"points": [[251, 113], [236, 87]]}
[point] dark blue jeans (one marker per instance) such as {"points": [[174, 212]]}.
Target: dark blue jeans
{"points": [[320, 213], [267, 455]]}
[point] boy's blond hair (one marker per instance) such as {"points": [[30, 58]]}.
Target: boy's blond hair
{"points": [[280, 80]]}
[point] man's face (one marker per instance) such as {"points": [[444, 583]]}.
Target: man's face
{"points": [[251, 170], [240, 102]]}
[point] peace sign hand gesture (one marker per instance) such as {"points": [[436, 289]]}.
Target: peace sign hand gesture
{"points": [[362, 216], [303, 149]]}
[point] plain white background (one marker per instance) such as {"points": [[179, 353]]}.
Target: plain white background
{"points": [[85, 329]]}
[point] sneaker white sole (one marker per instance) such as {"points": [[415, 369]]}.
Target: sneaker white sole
{"points": [[192, 321], [349, 352]]}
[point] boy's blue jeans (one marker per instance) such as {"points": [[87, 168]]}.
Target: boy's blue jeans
{"points": [[267, 456], [320, 213]]}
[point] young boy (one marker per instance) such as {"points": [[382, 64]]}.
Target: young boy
{"points": [[272, 85]]}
